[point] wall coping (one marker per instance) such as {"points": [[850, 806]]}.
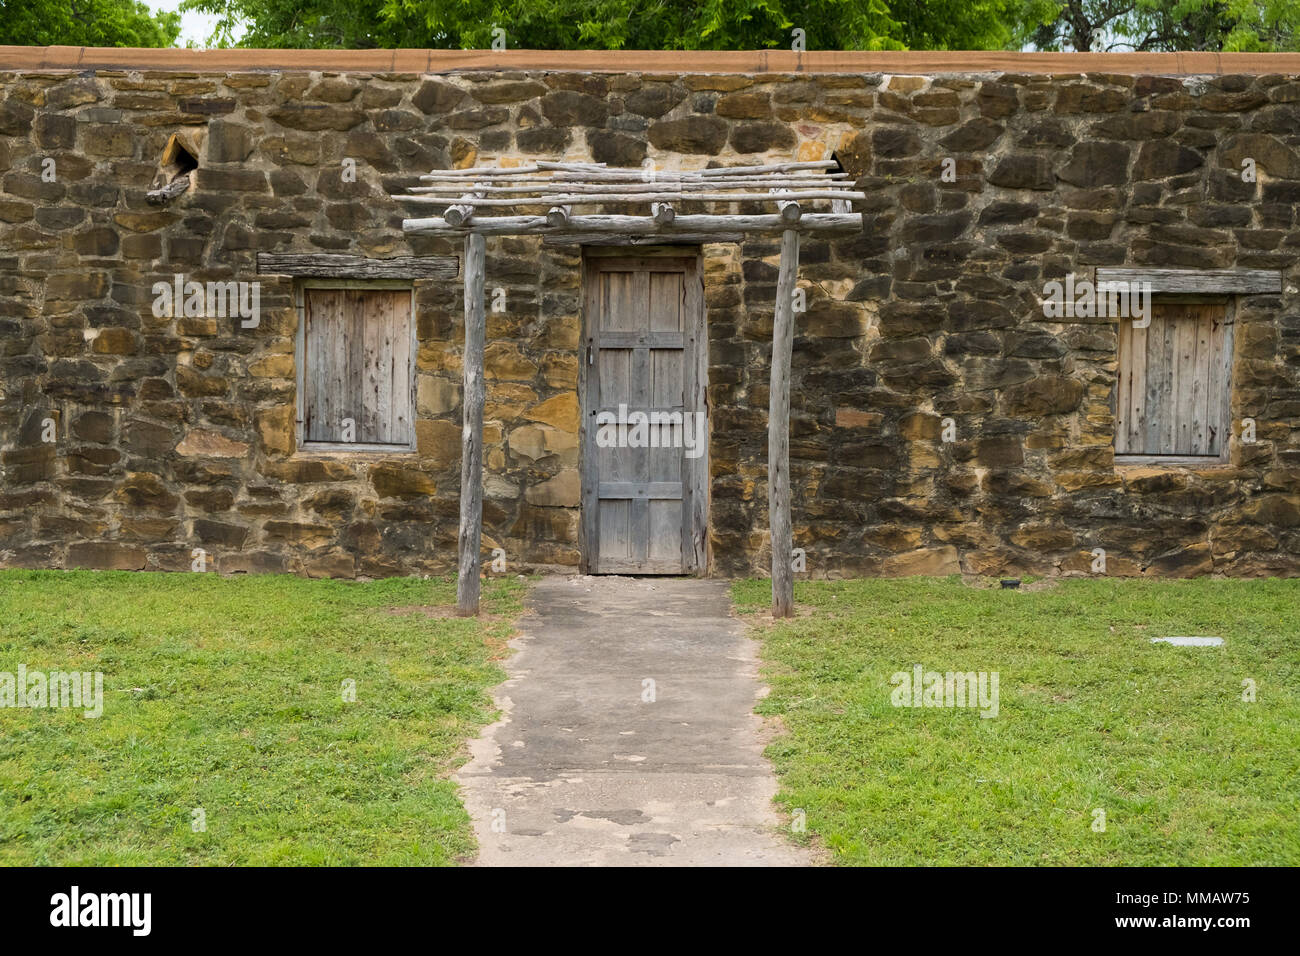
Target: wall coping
{"points": [[82, 59]]}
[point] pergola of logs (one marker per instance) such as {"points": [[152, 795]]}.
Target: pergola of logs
{"points": [[552, 192]]}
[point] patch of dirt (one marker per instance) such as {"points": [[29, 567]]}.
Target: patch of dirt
{"points": [[772, 726], [440, 611], [424, 610], [498, 642], [1044, 584], [763, 620]]}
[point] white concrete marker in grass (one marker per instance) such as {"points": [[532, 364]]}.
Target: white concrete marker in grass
{"points": [[1188, 641]]}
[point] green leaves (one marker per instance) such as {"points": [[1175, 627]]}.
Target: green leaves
{"points": [[1154, 25], [1250, 25], [615, 24], [86, 23], [1263, 25]]}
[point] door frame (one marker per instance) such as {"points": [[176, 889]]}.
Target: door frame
{"points": [[697, 554]]}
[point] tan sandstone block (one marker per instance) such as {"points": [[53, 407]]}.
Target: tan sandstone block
{"points": [[561, 491], [933, 562], [438, 439], [273, 366], [435, 396], [560, 411], [275, 430], [204, 442]]}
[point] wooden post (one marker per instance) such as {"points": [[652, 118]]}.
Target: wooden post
{"points": [[471, 455], [778, 429]]}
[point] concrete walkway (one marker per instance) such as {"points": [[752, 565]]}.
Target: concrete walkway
{"points": [[582, 771]]}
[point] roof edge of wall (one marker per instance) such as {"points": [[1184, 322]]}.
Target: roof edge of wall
{"points": [[82, 59]]}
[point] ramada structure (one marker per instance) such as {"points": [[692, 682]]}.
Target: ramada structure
{"points": [[644, 500], [390, 312]]}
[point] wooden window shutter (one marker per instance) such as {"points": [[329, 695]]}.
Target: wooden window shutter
{"points": [[1174, 383], [357, 345]]}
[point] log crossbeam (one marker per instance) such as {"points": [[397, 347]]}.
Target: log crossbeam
{"points": [[773, 223]]}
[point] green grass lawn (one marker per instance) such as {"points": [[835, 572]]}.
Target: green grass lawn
{"points": [[226, 694], [1092, 716]]}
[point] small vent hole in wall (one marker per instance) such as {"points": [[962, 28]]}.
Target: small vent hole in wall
{"points": [[180, 158]]}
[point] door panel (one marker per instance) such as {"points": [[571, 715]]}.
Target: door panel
{"points": [[643, 505]]}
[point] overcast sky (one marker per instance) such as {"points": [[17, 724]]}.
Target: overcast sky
{"points": [[195, 27]]}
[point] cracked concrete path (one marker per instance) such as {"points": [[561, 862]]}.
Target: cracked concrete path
{"points": [[581, 770]]}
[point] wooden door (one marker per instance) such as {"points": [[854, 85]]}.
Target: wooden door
{"points": [[644, 493]]}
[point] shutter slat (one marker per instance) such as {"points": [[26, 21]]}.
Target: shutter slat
{"points": [[402, 428], [1200, 380]]}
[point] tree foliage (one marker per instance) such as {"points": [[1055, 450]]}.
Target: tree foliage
{"points": [[85, 23], [1230, 25], [1083, 25], [617, 24]]}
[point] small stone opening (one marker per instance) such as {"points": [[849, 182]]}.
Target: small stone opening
{"points": [[180, 157]]}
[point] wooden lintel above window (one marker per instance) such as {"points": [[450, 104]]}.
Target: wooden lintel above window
{"points": [[328, 266], [1197, 281]]}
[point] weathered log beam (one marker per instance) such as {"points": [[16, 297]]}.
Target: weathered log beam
{"points": [[578, 198], [165, 194], [558, 216], [655, 174], [630, 176], [778, 429], [566, 167], [497, 172], [326, 265], [772, 167], [788, 208], [526, 185], [662, 213], [790, 211], [469, 541], [458, 214], [636, 225], [479, 172], [1191, 281], [462, 211]]}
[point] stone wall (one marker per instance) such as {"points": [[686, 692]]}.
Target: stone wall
{"points": [[178, 433]]}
